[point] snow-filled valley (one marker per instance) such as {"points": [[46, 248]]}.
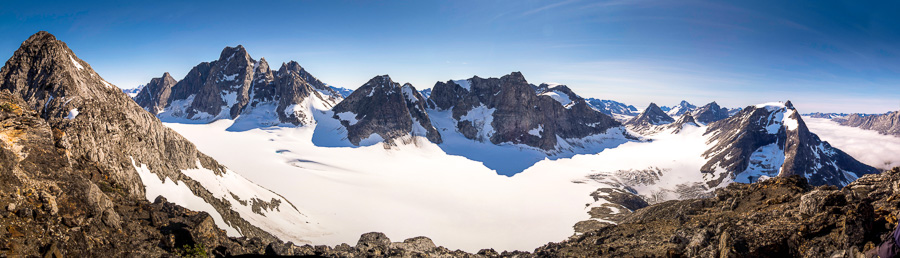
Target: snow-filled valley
{"points": [[418, 189]]}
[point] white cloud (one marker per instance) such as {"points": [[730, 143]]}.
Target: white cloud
{"points": [[870, 147]]}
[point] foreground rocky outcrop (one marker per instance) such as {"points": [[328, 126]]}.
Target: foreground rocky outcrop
{"points": [[779, 217]]}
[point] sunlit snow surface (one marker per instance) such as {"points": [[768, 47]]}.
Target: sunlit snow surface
{"points": [[867, 146], [418, 189]]}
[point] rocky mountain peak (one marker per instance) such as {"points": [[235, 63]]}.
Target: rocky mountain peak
{"points": [[385, 111], [710, 113], [51, 76], [153, 97], [681, 108], [510, 110], [650, 121], [771, 139], [236, 85], [230, 53]]}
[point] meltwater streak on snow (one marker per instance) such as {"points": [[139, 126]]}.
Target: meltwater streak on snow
{"points": [[867, 146], [405, 192]]}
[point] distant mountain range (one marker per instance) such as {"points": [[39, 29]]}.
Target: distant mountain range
{"points": [[757, 141]]}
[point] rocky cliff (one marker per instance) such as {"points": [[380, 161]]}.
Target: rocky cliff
{"points": [[155, 95], [385, 110], [509, 110], [769, 140]]}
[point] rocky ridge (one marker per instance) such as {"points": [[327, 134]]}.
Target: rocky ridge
{"points": [[888, 123], [237, 85], [509, 110]]}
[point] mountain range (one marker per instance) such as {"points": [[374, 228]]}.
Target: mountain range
{"points": [[90, 171]]}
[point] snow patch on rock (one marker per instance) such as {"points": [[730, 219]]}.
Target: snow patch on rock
{"points": [[72, 114], [77, 65]]}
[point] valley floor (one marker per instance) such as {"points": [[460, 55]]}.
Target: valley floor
{"points": [[420, 190]]}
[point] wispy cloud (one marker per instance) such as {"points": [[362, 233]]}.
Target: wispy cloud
{"points": [[548, 7]]}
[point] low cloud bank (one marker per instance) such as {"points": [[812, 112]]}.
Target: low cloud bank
{"points": [[867, 146]]}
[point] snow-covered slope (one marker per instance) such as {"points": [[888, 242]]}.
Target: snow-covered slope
{"points": [[615, 109], [681, 108]]}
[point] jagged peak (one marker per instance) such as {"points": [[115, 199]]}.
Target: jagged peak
{"points": [[685, 119], [231, 52], [382, 80], [517, 76], [40, 38]]}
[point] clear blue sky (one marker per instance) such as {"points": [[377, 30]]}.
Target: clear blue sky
{"points": [[830, 56]]}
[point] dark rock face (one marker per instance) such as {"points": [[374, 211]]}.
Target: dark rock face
{"points": [[742, 139], [509, 110], [649, 121], [69, 130], [384, 107], [780, 217], [155, 95], [888, 123], [710, 113], [236, 84]]}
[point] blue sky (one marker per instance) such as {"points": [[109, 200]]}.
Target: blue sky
{"points": [[829, 56]]}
